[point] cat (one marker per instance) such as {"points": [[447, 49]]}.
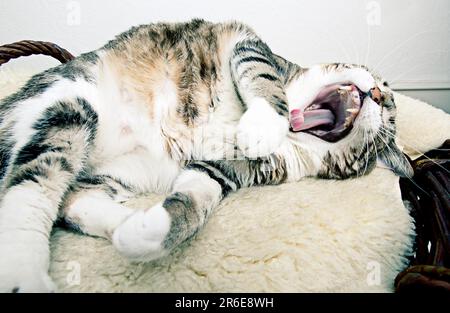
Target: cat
{"points": [[196, 110]]}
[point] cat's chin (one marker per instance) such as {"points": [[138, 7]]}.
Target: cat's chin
{"points": [[330, 116]]}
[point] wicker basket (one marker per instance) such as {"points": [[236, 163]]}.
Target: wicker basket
{"points": [[30, 47], [427, 194]]}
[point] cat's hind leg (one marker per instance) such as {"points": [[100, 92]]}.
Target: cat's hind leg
{"points": [[153, 233], [40, 173], [144, 235], [94, 208]]}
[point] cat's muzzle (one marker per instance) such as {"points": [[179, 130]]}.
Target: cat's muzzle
{"points": [[330, 116]]}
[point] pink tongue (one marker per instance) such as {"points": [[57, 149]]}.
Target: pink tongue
{"points": [[309, 119]]}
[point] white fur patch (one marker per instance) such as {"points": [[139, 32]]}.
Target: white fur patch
{"points": [[96, 214], [261, 130], [141, 169], [166, 98]]}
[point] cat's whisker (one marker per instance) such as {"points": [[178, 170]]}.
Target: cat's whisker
{"points": [[366, 137], [410, 146], [421, 154], [369, 39], [375, 144], [409, 178], [387, 68], [354, 48], [413, 68], [301, 157], [398, 46], [339, 43]]}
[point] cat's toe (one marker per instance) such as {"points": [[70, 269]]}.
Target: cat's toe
{"points": [[26, 282], [141, 236]]}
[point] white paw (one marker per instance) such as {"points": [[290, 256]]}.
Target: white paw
{"points": [[15, 277], [141, 236], [261, 130], [361, 78]]}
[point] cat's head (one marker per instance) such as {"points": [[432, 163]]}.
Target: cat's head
{"points": [[354, 131]]}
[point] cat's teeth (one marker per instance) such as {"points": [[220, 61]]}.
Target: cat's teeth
{"points": [[353, 111], [348, 88], [312, 107], [348, 121]]}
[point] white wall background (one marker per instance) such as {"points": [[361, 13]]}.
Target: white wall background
{"points": [[407, 41]]}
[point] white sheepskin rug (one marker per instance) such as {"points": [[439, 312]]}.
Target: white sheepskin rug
{"points": [[310, 236]]}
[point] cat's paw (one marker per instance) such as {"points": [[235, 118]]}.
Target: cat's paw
{"points": [[24, 267], [141, 236], [261, 130], [15, 279]]}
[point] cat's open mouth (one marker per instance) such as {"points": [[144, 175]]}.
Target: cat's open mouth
{"points": [[331, 114]]}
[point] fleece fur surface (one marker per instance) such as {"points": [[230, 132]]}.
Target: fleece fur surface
{"points": [[310, 236]]}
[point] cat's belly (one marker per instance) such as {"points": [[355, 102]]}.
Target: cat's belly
{"points": [[142, 170], [135, 154], [129, 146]]}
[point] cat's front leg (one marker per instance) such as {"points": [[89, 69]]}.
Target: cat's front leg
{"points": [[150, 234], [259, 84]]}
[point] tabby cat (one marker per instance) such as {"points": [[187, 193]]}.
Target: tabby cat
{"points": [[196, 110]]}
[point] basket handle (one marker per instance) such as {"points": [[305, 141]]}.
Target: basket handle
{"points": [[30, 47]]}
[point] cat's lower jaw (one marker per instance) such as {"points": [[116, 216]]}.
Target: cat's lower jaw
{"points": [[261, 130], [141, 236]]}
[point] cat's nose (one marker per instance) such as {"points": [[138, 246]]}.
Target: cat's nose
{"points": [[375, 94]]}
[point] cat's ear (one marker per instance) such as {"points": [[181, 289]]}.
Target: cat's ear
{"points": [[393, 158]]}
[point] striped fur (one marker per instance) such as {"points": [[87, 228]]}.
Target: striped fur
{"points": [[149, 112]]}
